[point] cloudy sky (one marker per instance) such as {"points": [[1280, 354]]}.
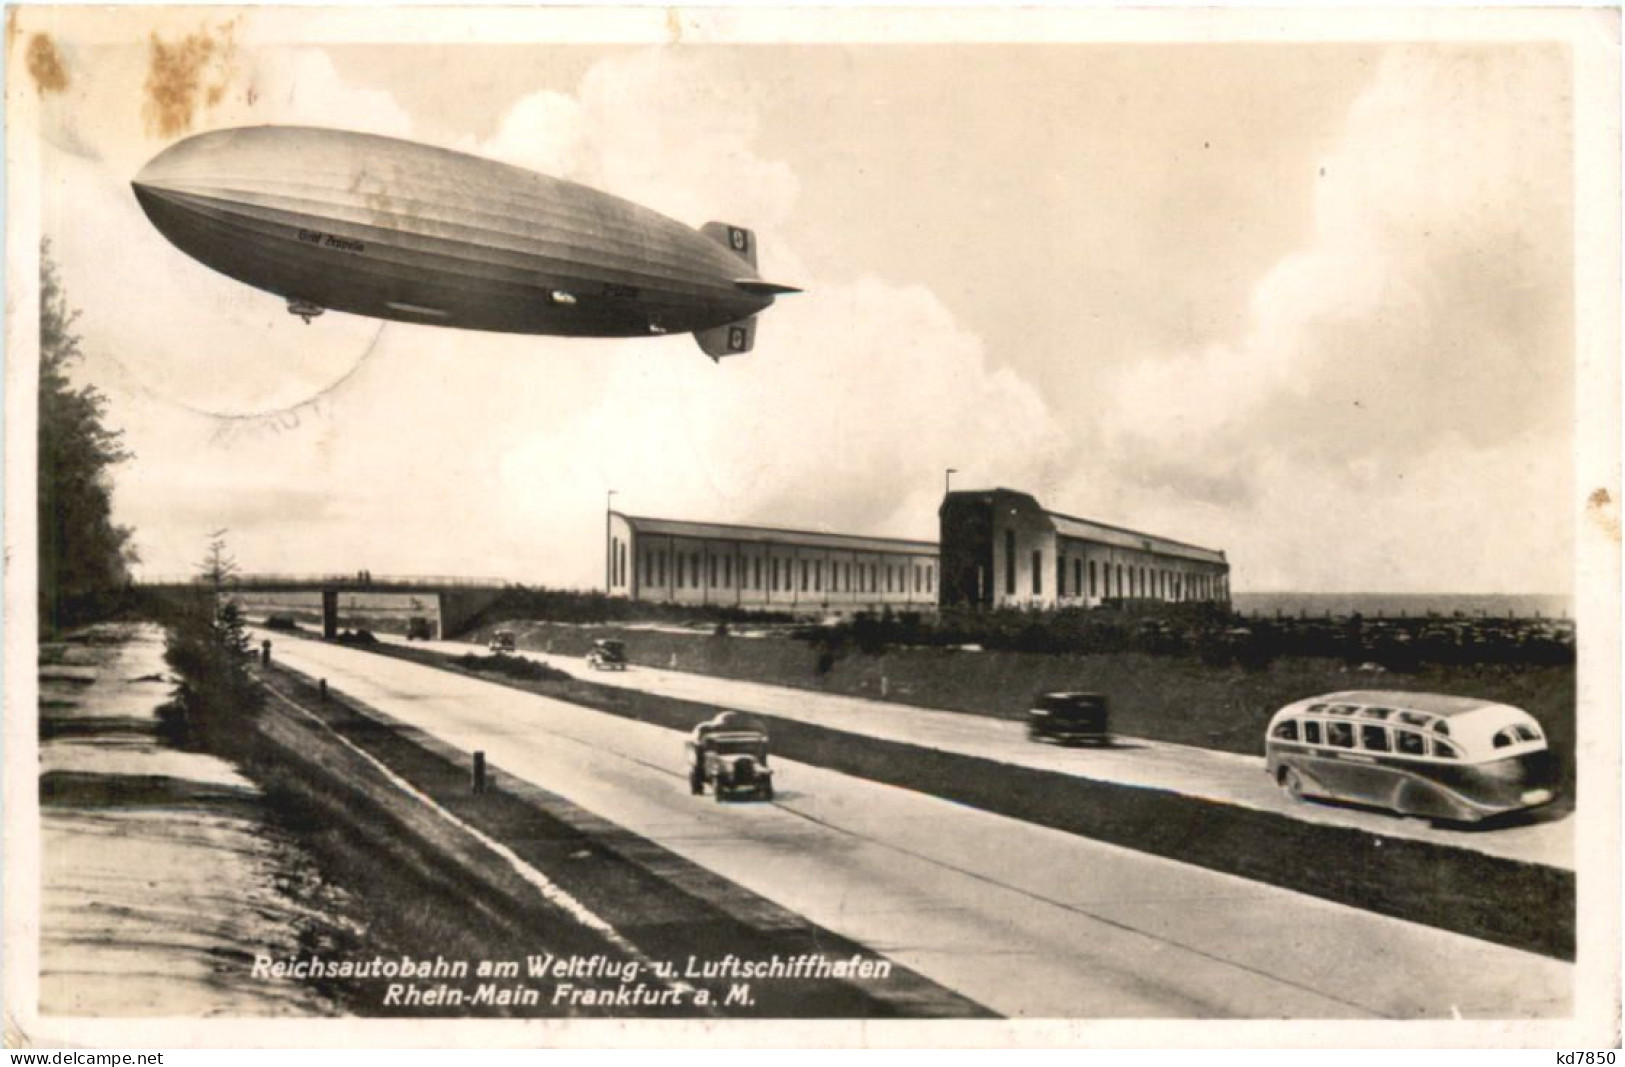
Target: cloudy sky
{"points": [[1308, 303]]}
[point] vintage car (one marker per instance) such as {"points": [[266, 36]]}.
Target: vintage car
{"points": [[607, 656], [419, 628], [729, 753], [502, 641], [1068, 717]]}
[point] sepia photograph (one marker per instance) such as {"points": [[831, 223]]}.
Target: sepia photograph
{"points": [[786, 527]]}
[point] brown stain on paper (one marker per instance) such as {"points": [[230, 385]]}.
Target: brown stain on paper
{"points": [[1600, 509], [45, 63], [185, 77]]}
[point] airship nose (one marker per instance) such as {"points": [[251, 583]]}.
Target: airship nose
{"points": [[147, 184], [155, 178], [160, 180], [163, 208], [150, 195]]}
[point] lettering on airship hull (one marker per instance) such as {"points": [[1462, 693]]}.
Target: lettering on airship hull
{"points": [[623, 292], [327, 240]]}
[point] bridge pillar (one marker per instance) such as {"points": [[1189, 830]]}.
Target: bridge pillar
{"points": [[330, 613]]}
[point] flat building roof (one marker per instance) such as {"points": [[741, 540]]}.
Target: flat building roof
{"points": [[769, 535], [1101, 533]]}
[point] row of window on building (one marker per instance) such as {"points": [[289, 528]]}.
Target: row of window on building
{"points": [[699, 570], [1132, 581]]}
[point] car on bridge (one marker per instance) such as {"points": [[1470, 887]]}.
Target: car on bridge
{"points": [[502, 641]]}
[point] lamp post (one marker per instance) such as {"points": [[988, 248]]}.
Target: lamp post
{"points": [[609, 546]]}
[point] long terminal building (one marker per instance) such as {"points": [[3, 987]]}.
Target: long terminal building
{"points": [[998, 549]]}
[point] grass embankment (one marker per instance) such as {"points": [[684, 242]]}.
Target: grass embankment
{"points": [[1526, 906], [419, 888], [446, 894], [1164, 697]]}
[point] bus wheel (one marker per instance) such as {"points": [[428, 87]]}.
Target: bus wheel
{"points": [[1291, 783]]}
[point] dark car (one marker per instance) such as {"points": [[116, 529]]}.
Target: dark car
{"points": [[1068, 717], [607, 656]]}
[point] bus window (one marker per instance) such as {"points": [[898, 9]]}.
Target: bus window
{"points": [[1441, 728], [1410, 744], [1374, 738], [1445, 750], [1341, 709], [1375, 713], [1514, 735], [1285, 730], [1311, 732], [1317, 707], [1414, 718], [1340, 734]]}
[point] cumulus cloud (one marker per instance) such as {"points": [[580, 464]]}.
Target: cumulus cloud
{"points": [[1408, 365], [859, 389]]}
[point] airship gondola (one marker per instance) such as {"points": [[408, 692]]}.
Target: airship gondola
{"points": [[392, 229]]}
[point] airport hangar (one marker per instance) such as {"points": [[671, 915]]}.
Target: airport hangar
{"points": [[999, 548]]}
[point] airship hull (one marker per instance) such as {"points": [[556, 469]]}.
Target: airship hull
{"points": [[402, 231]]}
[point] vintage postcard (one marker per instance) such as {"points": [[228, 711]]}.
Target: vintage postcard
{"points": [[764, 526]]}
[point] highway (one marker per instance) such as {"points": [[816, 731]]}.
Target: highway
{"points": [[1225, 777], [1028, 921]]}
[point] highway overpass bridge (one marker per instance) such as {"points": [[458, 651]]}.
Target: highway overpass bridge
{"points": [[385, 603]]}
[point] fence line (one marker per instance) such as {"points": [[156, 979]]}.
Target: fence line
{"points": [[345, 581]]}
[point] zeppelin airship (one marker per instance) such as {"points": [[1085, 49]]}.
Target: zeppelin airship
{"points": [[331, 220]]}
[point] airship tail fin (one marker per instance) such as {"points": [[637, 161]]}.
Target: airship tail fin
{"points": [[734, 339], [736, 239]]}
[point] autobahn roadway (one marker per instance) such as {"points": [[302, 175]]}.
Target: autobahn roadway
{"points": [[1030, 922], [1225, 777]]}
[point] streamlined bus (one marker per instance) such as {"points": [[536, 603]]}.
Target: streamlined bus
{"points": [[1424, 754]]}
